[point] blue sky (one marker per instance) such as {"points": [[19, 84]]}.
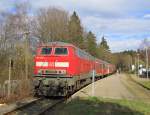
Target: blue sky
{"points": [[125, 23]]}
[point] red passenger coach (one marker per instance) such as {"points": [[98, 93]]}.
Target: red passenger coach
{"points": [[61, 68]]}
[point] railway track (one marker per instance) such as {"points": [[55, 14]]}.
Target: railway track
{"points": [[36, 107]]}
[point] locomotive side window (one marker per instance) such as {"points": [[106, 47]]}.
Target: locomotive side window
{"points": [[83, 54], [46, 51], [61, 51]]}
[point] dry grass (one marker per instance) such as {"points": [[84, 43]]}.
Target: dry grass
{"points": [[22, 91]]}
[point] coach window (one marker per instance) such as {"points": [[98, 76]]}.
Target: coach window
{"points": [[46, 51], [61, 51]]}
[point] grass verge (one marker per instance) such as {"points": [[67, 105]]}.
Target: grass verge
{"points": [[100, 106], [146, 84], [141, 81]]}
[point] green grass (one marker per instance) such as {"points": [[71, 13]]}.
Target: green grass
{"points": [[100, 106], [146, 84]]}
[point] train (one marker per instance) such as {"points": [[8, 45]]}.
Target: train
{"points": [[62, 68]]}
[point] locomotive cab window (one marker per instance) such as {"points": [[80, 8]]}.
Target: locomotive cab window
{"points": [[46, 51], [61, 51]]}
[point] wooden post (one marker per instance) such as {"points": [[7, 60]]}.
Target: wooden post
{"points": [[138, 64], [147, 62], [26, 54], [135, 66]]}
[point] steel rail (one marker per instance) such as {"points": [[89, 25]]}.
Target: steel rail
{"points": [[36, 107]]}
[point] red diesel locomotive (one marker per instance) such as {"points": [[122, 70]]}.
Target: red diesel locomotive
{"points": [[61, 68]]}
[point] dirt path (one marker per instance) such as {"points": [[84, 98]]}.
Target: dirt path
{"points": [[137, 90], [118, 86]]}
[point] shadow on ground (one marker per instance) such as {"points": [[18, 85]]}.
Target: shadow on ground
{"points": [[93, 107]]}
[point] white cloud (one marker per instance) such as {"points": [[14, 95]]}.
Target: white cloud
{"points": [[122, 25], [147, 16], [112, 6], [4, 5], [125, 44]]}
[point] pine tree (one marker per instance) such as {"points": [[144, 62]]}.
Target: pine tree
{"points": [[104, 51], [104, 44], [91, 44], [75, 30]]}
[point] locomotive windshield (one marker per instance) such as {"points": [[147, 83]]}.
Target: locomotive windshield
{"points": [[61, 51], [46, 51]]}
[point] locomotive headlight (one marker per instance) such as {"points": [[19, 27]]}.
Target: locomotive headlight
{"points": [[40, 71], [63, 71], [42, 64], [61, 64]]}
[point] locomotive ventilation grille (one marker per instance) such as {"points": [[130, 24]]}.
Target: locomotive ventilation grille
{"points": [[50, 72]]}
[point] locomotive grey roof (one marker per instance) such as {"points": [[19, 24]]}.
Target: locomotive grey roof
{"points": [[57, 43]]}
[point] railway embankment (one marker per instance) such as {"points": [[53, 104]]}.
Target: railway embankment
{"points": [[144, 82]]}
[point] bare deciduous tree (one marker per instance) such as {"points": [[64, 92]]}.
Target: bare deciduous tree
{"points": [[51, 25]]}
